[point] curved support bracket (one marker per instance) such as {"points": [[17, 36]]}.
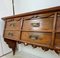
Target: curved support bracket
{"points": [[11, 44]]}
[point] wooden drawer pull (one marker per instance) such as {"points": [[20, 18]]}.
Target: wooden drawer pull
{"points": [[12, 24], [35, 24], [34, 37], [10, 34]]}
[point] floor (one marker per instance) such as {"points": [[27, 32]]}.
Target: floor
{"points": [[20, 55]]}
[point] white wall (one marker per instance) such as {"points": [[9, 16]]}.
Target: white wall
{"points": [[1, 51], [5, 10], [22, 6]]}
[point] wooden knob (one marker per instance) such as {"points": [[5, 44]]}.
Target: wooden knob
{"points": [[25, 44]]}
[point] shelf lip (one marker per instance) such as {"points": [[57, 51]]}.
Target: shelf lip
{"points": [[12, 30], [31, 31], [51, 9], [56, 47], [11, 39], [57, 31], [35, 43], [38, 31]]}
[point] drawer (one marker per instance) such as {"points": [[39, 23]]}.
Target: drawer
{"points": [[13, 35], [43, 24], [58, 24], [38, 38], [13, 24], [57, 40]]}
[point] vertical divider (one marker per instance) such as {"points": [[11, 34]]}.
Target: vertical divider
{"points": [[22, 21], [54, 29]]}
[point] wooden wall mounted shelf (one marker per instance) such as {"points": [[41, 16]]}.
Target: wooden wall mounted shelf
{"points": [[37, 28]]}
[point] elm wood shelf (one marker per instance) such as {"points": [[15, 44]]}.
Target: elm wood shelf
{"points": [[39, 28]]}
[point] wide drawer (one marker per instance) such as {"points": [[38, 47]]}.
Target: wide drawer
{"points": [[13, 24], [35, 24], [36, 37], [13, 35]]}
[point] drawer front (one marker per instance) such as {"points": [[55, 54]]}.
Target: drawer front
{"points": [[13, 25], [38, 24], [57, 40], [13, 35], [38, 38], [58, 24]]}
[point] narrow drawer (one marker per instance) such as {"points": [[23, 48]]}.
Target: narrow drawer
{"points": [[35, 24], [13, 24], [13, 35], [38, 38], [58, 24], [57, 40]]}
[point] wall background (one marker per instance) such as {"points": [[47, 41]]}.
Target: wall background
{"points": [[5, 10], [22, 6]]}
